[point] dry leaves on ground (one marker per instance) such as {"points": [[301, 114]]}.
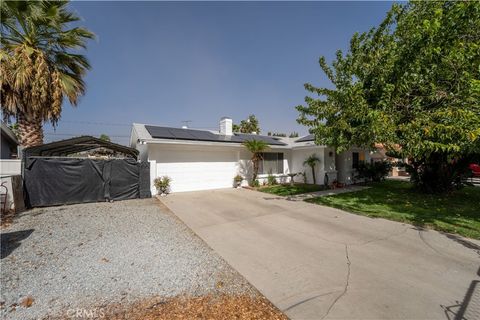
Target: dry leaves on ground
{"points": [[206, 307], [6, 219]]}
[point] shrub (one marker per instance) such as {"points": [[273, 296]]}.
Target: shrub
{"points": [[238, 178], [375, 171], [271, 180], [304, 176], [162, 184], [255, 183]]}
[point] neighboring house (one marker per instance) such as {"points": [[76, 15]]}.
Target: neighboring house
{"points": [[202, 160], [9, 143]]}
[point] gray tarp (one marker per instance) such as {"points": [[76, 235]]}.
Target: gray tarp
{"points": [[56, 181]]}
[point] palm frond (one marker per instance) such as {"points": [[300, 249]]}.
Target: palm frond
{"points": [[38, 68]]}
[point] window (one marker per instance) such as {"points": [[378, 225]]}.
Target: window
{"points": [[272, 163], [357, 158]]}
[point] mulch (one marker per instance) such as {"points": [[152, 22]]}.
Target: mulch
{"points": [[6, 218], [222, 307]]}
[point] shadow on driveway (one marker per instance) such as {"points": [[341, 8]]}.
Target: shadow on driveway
{"points": [[11, 240]]}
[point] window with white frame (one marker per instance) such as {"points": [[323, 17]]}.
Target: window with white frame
{"points": [[271, 163]]}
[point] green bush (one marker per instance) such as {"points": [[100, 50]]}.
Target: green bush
{"points": [[255, 183], [271, 180], [162, 184], [376, 171]]}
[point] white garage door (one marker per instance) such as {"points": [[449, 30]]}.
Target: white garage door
{"points": [[193, 170]]}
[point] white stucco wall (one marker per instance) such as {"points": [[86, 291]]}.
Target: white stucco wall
{"points": [[299, 156], [10, 167], [344, 163]]}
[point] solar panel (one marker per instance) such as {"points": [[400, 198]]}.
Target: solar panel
{"points": [[181, 134], [267, 139], [204, 135], [201, 135], [310, 137], [159, 132]]}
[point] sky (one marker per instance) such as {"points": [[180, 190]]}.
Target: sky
{"points": [[162, 63]]}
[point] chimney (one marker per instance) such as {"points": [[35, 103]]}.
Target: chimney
{"points": [[226, 126]]}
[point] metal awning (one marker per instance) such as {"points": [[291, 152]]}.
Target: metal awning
{"points": [[74, 145]]}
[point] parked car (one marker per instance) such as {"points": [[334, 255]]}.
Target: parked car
{"points": [[475, 169]]}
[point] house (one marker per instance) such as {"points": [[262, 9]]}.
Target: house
{"points": [[9, 142], [202, 160]]}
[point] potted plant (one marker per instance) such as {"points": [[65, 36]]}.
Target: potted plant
{"points": [[237, 180], [163, 185]]}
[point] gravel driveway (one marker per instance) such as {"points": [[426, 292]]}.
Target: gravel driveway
{"points": [[105, 253]]}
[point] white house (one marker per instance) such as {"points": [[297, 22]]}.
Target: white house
{"points": [[202, 160]]}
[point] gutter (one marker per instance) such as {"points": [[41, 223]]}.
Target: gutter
{"points": [[201, 143]]}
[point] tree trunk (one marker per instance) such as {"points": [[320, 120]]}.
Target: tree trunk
{"points": [[30, 130], [255, 171], [313, 175]]}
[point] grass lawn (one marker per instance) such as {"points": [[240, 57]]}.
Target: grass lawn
{"points": [[288, 190], [458, 212]]}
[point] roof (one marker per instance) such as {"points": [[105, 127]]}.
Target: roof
{"points": [[74, 145], [8, 133], [146, 132], [310, 137]]}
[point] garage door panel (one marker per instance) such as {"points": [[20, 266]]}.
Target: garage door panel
{"points": [[202, 171]]}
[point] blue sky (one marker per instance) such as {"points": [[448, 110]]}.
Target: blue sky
{"points": [[165, 62]]}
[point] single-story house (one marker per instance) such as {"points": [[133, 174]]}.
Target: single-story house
{"points": [[202, 160], [9, 142]]}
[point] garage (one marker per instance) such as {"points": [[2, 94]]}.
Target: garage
{"points": [[192, 168]]}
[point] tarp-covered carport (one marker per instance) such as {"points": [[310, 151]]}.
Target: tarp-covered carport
{"points": [[61, 173]]}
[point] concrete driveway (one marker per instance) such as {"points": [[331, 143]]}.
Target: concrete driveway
{"points": [[315, 262]]}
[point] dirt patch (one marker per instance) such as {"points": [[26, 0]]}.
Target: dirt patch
{"points": [[204, 307]]}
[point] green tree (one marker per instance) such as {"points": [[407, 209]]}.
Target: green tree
{"points": [[293, 135], [256, 148], [39, 63], [412, 84], [249, 125], [312, 161], [104, 137]]}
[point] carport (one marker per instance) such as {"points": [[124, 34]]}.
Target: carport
{"points": [[62, 172]]}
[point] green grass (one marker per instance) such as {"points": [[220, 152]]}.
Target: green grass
{"points": [[458, 212], [288, 190]]}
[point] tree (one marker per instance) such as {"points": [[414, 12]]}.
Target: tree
{"points": [[104, 137], [250, 125], [39, 65], [412, 84], [256, 147], [293, 135], [312, 161]]}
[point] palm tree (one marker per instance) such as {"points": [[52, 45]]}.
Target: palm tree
{"points": [[38, 68], [312, 161], [256, 147]]}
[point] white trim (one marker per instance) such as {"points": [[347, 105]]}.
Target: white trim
{"points": [[204, 143]]}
